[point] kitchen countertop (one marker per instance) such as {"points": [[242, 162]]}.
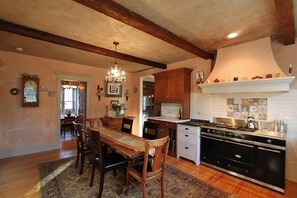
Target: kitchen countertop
{"points": [[194, 122], [168, 119]]}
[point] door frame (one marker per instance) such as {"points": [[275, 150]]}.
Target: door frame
{"points": [[75, 77], [147, 77]]}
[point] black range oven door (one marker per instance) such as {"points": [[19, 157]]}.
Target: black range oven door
{"points": [[270, 166], [211, 150], [239, 157]]}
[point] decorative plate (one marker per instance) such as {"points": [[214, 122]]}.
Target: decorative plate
{"points": [[14, 91]]}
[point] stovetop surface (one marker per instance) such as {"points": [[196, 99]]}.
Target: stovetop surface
{"points": [[221, 126]]}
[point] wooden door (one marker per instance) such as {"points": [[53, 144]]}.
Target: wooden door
{"points": [[82, 96]]}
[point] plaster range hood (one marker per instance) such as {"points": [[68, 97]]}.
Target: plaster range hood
{"points": [[246, 61]]}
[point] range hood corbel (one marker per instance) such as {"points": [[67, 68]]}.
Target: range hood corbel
{"points": [[260, 85]]}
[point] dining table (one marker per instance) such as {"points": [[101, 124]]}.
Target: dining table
{"points": [[130, 146]]}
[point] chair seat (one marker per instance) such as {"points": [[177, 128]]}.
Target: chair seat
{"points": [[113, 161]]}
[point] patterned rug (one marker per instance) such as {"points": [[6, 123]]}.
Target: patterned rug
{"points": [[61, 179]]}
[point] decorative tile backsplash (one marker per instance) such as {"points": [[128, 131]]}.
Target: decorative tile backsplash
{"points": [[244, 107]]}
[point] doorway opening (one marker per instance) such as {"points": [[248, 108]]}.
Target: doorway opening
{"points": [[146, 99], [72, 105]]}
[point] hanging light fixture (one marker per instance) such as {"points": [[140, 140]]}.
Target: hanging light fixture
{"points": [[116, 76]]}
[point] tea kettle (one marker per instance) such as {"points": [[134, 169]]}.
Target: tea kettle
{"points": [[251, 124]]}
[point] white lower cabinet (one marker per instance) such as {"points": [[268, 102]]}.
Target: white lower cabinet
{"points": [[188, 142]]}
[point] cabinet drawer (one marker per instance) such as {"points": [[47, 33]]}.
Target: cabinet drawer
{"points": [[187, 129], [187, 138], [187, 151]]}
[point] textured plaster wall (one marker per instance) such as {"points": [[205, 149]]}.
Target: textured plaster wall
{"points": [[31, 129]]}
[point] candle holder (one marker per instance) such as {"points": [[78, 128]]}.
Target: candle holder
{"points": [[127, 94], [98, 93]]}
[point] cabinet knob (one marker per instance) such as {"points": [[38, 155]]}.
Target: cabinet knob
{"points": [[204, 157], [228, 165], [186, 128], [269, 141], [218, 162], [186, 147], [246, 171], [187, 135]]}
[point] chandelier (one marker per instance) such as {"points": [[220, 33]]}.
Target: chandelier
{"points": [[115, 76]]}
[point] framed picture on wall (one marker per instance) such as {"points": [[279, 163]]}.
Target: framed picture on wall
{"points": [[113, 91], [30, 90]]}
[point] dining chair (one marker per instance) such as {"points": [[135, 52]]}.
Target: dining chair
{"points": [[104, 161], [82, 147], [150, 130], [67, 125], [150, 171], [127, 125]]}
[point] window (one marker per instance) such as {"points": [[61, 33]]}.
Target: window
{"points": [[69, 100]]}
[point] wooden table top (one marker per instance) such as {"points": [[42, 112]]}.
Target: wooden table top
{"points": [[127, 144]]}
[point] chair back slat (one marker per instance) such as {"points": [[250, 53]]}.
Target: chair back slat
{"points": [[96, 146], [78, 134], [150, 130], [160, 147], [127, 125]]}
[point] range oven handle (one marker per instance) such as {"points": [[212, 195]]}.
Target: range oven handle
{"points": [[239, 144], [212, 138], [265, 149]]}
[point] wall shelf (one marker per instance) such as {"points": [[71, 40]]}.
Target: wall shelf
{"points": [[259, 85]]}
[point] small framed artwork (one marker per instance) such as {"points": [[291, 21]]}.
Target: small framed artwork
{"points": [[114, 102], [113, 91]]}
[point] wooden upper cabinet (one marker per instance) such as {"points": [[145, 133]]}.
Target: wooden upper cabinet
{"points": [[160, 84], [173, 86]]}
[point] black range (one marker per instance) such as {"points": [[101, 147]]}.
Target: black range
{"points": [[242, 153]]}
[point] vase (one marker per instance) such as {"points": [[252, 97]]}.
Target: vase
{"points": [[118, 113]]}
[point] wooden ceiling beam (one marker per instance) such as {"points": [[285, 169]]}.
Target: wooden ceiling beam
{"points": [[286, 20], [48, 37], [122, 14]]}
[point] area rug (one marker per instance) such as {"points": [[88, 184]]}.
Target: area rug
{"points": [[61, 179]]}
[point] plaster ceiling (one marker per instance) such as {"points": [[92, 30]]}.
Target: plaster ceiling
{"points": [[204, 23]]}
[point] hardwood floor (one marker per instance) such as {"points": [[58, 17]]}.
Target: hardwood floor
{"points": [[19, 175]]}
